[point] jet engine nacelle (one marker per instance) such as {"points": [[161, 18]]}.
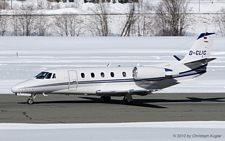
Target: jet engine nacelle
{"points": [[151, 73]]}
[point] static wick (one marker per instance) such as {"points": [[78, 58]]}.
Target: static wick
{"points": [[17, 54]]}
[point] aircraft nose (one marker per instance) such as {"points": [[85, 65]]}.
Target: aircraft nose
{"points": [[14, 89], [20, 87], [17, 88]]}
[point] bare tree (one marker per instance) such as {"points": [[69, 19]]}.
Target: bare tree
{"points": [[4, 4], [145, 19], [26, 19], [61, 25], [67, 25], [3, 18], [172, 17], [130, 20], [14, 21], [220, 21], [98, 23], [42, 25], [3, 23], [148, 22], [75, 25]]}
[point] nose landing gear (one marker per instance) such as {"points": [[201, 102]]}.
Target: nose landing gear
{"points": [[30, 101]]}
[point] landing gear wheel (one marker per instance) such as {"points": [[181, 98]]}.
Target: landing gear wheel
{"points": [[30, 101], [125, 101], [106, 98]]}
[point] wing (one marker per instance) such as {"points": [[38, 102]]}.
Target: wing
{"points": [[122, 93]]}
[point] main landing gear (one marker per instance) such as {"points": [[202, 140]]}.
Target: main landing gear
{"points": [[30, 101], [128, 99]]}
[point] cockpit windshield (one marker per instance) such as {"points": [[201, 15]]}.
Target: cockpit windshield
{"points": [[46, 75], [42, 75]]}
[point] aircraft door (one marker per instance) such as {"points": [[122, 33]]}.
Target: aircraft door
{"points": [[73, 81]]}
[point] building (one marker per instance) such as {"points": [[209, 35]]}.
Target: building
{"points": [[96, 1]]}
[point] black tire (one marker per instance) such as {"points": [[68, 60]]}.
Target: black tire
{"points": [[125, 101], [30, 101]]}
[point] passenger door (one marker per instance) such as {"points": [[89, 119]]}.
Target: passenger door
{"points": [[73, 82]]}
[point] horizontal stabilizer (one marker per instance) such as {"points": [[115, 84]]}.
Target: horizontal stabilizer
{"points": [[178, 57], [202, 61]]}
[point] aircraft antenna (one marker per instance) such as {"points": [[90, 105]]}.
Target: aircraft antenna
{"points": [[109, 64]]}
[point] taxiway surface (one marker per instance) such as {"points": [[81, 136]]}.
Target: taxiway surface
{"points": [[90, 109]]}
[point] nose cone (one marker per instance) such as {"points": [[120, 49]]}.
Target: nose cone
{"points": [[15, 89], [18, 88], [21, 87]]}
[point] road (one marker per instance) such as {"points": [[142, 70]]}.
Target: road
{"points": [[90, 109]]}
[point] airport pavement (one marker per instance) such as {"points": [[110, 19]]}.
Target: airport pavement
{"points": [[90, 109]]}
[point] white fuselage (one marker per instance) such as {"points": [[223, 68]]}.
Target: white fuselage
{"points": [[104, 80]]}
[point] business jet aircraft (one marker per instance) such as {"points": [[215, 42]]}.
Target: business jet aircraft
{"points": [[120, 81]]}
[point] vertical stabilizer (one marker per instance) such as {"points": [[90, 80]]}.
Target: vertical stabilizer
{"points": [[201, 48]]}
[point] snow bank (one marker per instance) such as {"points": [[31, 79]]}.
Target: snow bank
{"points": [[181, 124], [145, 131]]}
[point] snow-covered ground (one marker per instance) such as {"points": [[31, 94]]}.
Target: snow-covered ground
{"points": [[36, 54], [146, 131]]}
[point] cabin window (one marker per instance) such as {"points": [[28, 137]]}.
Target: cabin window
{"points": [[112, 74], [124, 74], [92, 75], [102, 74], [41, 75], [82, 75], [54, 76], [48, 76]]}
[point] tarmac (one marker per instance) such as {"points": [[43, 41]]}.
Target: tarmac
{"points": [[91, 109]]}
